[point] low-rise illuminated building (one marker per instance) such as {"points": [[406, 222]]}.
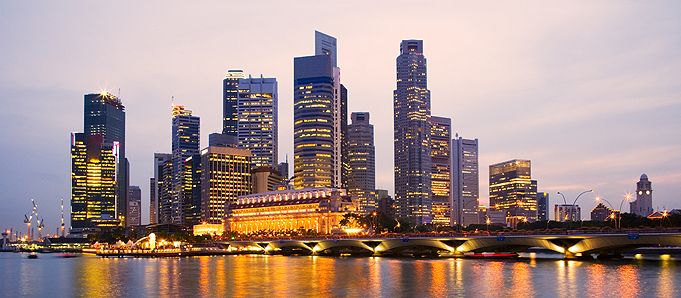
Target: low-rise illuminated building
{"points": [[317, 209], [208, 229], [601, 212], [567, 213]]}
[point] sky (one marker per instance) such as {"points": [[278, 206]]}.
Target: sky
{"points": [[589, 91]]}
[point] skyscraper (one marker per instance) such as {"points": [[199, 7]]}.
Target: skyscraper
{"points": [[362, 162], [257, 120], [105, 116], [412, 134], [320, 113], [512, 190], [230, 97], [225, 175], [441, 157], [191, 190], [465, 181], [542, 206], [185, 144], [134, 205], [643, 205], [93, 179], [163, 189]]}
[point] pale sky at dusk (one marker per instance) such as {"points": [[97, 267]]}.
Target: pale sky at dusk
{"points": [[589, 91]]}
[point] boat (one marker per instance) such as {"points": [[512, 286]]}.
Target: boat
{"points": [[32, 256]]}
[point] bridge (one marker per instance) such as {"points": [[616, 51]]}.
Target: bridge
{"points": [[571, 244]]}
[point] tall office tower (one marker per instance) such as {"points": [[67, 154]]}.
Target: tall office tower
{"points": [[542, 206], [230, 97], [283, 169], [257, 120], [222, 140], [465, 181], [152, 201], [412, 134], [264, 179], [319, 118], [134, 204], [191, 190], [185, 144], [163, 178], [440, 175], [362, 162], [105, 116], [386, 204], [643, 205], [93, 179], [225, 175], [512, 190]]}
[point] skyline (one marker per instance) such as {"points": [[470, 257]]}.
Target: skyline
{"points": [[610, 72]]}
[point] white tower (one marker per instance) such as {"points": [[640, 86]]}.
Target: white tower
{"points": [[643, 205]]}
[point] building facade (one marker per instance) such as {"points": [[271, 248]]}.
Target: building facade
{"points": [[512, 190], [320, 118], [257, 130], [643, 205], [230, 97], [440, 175], [163, 179], [185, 143], [225, 175], [134, 205], [93, 180], [542, 206], [465, 181], [601, 212], [567, 213], [317, 209], [105, 115], [412, 135], [362, 162], [191, 190]]}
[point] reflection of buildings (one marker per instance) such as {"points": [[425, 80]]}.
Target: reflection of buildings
{"points": [[512, 190], [542, 206], [602, 212], [567, 213], [440, 173], [411, 106], [643, 205], [361, 159], [225, 175], [465, 181], [318, 209]]}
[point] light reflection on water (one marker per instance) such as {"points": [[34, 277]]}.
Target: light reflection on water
{"points": [[279, 276]]}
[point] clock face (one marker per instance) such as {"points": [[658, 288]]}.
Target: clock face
{"points": [[640, 192], [647, 192]]}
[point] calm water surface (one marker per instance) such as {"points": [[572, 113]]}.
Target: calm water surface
{"points": [[307, 276]]}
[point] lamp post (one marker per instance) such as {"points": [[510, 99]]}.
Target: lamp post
{"points": [[627, 197], [575, 202]]}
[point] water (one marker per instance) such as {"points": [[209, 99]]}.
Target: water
{"points": [[307, 276]]}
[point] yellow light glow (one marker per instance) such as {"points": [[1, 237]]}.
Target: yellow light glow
{"points": [[665, 257]]}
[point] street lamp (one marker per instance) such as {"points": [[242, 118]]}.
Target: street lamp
{"points": [[575, 202], [612, 215]]}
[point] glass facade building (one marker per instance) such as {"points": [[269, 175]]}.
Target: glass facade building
{"points": [[412, 135], [320, 119], [230, 97], [362, 162], [134, 205], [185, 137], [512, 190], [257, 120], [440, 175], [163, 189], [93, 179], [104, 115], [225, 175], [542, 206], [465, 181]]}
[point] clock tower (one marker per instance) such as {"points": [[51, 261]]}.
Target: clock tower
{"points": [[644, 197]]}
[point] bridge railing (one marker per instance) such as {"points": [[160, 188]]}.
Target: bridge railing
{"points": [[464, 234]]}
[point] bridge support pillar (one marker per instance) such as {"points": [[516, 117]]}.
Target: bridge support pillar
{"points": [[578, 256]]}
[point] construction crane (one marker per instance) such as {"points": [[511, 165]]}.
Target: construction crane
{"points": [[28, 219], [62, 215], [41, 225]]}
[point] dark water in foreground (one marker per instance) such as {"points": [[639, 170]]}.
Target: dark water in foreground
{"points": [[306, 276]]}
